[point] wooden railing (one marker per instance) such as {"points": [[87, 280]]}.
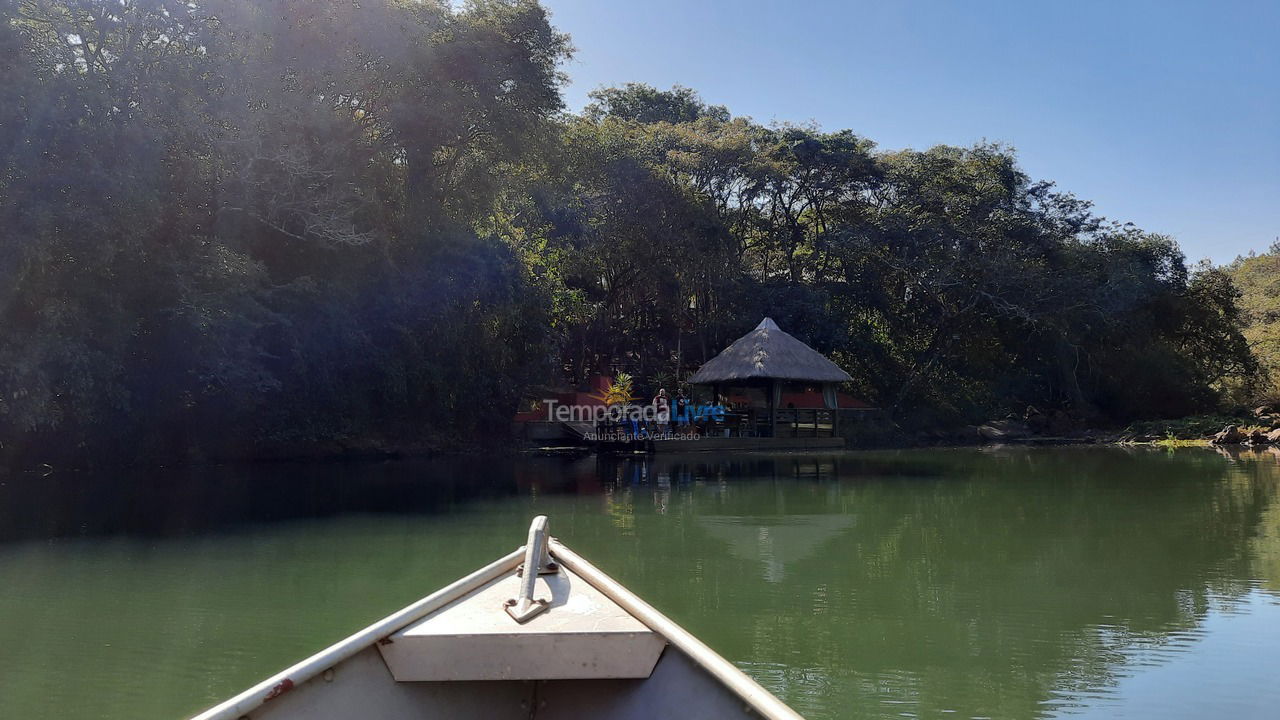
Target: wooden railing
{"points": [[790, 422]]}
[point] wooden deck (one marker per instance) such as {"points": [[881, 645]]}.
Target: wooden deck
{"points": [[743, 431], [741, 444]]}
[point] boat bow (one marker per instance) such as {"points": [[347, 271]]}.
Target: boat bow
{"points": [[540, 633]]}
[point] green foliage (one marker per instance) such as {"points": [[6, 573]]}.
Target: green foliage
{"points": [[239, 228], [950, 285], [246, 229], [1258, 280], [645, 104]]}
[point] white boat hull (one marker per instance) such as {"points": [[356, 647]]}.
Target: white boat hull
{"points": [[590, 654], [362, 689]]}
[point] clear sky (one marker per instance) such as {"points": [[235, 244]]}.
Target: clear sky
{"points": [[1165, 114]]}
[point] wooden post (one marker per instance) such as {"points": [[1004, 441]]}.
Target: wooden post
{"points": [[773, 410]]}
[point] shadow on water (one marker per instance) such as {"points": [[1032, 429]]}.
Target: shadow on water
{"points": [[188, 500], [196, 499]]}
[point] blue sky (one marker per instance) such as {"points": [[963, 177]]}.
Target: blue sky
{"points": [[1165, 114]]}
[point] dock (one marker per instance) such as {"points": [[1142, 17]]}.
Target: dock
{"points": [[720, 444]]}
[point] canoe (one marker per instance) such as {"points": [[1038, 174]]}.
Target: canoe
{"points": [[540, 633]]}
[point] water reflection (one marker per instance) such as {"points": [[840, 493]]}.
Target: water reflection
{"points": [[775, 542], [1016, 583], [198, 499], [962, 583]]}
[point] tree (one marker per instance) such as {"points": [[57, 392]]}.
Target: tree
{"points": [[237, 228], [1258, 279], [223, 238], [646, 105]]}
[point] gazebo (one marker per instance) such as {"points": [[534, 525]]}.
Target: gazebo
{"points": [[777, 385]]}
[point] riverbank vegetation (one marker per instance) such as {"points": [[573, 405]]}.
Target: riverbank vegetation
{"points": [[1258, 279], [240, 229]]}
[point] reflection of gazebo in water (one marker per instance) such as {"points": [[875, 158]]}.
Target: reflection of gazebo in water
{"points": [[776, 542], [776, 385]]}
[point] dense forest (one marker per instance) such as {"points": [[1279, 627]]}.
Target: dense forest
{"points": [[1258, 278], [238, 228]]}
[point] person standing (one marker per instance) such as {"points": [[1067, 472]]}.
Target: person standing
{"points": [[662, 404]]}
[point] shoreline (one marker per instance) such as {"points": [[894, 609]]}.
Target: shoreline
{"points": [[379, 451]]}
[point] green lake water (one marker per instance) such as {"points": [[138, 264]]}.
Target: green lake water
{"points": [[965, 583]]}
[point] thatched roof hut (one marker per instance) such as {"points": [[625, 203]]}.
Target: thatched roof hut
{"points": [[768, 353]]}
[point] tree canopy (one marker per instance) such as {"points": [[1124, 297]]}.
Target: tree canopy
{"points": [[233, 228], [948, 282], [1258, 279]]}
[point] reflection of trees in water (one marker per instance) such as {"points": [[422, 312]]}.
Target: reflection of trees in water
{"points": [[977, 581], [195, 499], [1266, 548], [1264, 462]]}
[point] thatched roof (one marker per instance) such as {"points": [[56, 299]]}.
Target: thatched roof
{"points": [[767, 352]]}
